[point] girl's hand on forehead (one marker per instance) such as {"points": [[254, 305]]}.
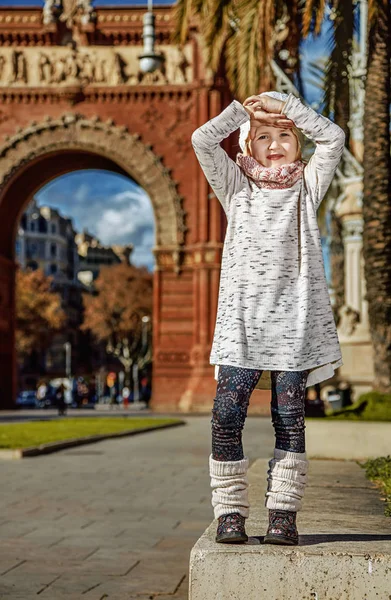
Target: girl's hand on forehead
{"points": [[266, 111]]}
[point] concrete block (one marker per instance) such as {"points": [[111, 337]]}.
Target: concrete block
{"points": [[343, 554]]}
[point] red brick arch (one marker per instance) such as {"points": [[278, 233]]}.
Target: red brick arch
{"points": [[142, 130]]}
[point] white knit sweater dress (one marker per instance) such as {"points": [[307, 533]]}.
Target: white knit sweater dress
{"points": [[274, 310]]}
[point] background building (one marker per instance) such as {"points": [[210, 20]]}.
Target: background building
{"points": [[92, 256], [47, 240]]}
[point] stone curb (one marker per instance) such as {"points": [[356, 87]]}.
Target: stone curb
{"points": [[344, 551], [18, 453]]}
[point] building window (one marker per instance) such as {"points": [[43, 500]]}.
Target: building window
{"points": [[32, 265], [42, 225], [31, 250], [53, 269], [54, 228], [41, 249], [53, 250], [32, 226]]}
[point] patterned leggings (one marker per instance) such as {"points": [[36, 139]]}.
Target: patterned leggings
{"points": [[234, 388]]}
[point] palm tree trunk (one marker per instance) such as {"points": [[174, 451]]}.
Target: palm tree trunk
{"points": [[337, 264], [377, 190]]}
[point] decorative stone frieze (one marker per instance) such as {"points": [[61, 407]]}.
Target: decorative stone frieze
{"points": [[62, 66]]}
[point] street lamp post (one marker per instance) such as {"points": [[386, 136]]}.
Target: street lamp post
{"points": [[145, 320], [149, 60], [68, 359]]}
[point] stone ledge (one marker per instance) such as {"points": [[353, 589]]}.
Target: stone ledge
{"points": [[17, 453], [344, 551]]}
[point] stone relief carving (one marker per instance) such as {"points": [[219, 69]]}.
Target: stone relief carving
{"points": [[349, 320], [2, 65], [76, 68], [19, 67], [93, 65], [49, 12], [76, 10], [71, 12]]}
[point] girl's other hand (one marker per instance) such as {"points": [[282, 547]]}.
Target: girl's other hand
{"points": [[266, 111]]}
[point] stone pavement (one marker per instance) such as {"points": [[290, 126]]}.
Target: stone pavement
{"points": [[114, 520], [117, 520]]}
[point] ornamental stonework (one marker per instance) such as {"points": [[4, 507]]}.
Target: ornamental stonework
{"points": [[90, 66], [124, 148]]}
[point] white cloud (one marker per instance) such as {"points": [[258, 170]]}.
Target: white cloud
{"points": [[125, 221], [82, 192], [102, 204]]}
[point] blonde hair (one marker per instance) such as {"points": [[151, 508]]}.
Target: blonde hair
{"points": [[296, 132]]}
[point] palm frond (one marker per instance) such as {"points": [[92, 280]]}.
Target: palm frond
{"points": [[231, 62], [217, 29], [181, 12], [337, 88], [313, 15], [374, 7]]}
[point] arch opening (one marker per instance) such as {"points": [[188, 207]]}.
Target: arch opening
{"points": [[46, 151]]}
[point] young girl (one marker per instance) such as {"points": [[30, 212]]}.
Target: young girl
{"points": [[274, 310]]}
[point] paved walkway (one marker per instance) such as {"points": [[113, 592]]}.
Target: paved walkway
{"points": [[115, 520]]}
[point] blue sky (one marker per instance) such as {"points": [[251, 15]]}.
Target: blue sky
{"points": [[112, 207], [108, 205]]}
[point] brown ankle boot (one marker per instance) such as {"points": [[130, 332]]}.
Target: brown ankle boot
{"points": [[282, 528], [230, 529]]}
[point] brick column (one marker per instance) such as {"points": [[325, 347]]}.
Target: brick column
{"points": [[7, 333]]}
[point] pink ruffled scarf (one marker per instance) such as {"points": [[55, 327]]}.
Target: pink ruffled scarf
{"points": [[271, 177]]}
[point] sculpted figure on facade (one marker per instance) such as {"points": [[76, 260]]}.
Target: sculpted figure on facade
{"points": [[72, 67], [49, 11], [2, 65], [45, 68], [76, 11], [349, 320], [101, 70], [59, 70], [118, 69], [19, 67], [179, 69], [87, 69]]}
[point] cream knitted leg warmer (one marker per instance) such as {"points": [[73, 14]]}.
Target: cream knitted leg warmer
{"points": [[287, 477], [228, 480]]}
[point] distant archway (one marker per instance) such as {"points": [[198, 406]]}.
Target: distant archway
{"points": [[42, 152], [46, 150]]}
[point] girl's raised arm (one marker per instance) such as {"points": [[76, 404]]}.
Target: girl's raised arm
{"points": [[224, 176], [329, 139]]}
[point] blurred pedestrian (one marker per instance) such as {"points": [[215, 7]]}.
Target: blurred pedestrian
{"points": [[60, 399], [125, 396]]}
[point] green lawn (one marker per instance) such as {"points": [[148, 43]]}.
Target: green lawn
{"points": [[372, 406], [379, 471], [24, 435]]}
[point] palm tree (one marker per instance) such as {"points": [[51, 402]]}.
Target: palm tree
{"points": [[377, 189], [336, 97], [248, 34]]}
